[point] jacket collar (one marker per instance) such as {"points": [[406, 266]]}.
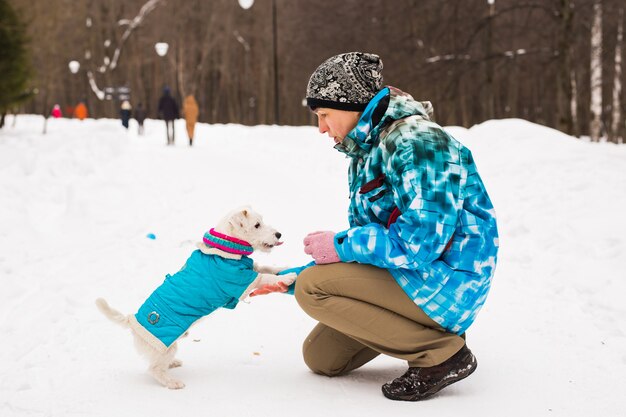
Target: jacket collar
{"points": [[388, 105]]}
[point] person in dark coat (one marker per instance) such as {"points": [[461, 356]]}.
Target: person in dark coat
{"points": [[168, 111], [140, 116], [125, 113]]}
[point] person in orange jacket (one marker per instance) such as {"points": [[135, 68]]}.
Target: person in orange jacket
{"points": [[190, 109], [80, 111]]}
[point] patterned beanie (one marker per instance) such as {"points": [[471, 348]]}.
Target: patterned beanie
{"points": [[345, 82]]}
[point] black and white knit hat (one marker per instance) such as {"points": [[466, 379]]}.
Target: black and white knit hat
{"points": [[345, 82]]}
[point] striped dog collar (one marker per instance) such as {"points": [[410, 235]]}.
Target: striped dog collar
{"points": [[227, 243]]}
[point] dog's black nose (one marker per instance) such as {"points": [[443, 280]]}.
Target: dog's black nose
{"points": [[278, 235]]}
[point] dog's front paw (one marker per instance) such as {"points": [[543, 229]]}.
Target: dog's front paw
{"points": [[265, 269], [288, 279]]}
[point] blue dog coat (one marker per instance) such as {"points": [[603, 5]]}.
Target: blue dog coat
{"points": [[204, 284]]}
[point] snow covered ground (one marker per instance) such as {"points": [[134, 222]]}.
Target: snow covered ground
{"points": [[76, 206]]}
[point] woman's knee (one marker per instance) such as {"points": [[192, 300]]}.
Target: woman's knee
{"points": [[318, 361], [313, 362], [305, 286]]}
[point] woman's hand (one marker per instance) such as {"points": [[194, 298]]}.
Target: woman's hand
{"points": [[321, 246]]}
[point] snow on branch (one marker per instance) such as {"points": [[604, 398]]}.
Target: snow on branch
{"points": [[132, 25], [111, 64], [495, 55], [94, 86]]}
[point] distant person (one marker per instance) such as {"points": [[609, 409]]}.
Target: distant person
{"points": [[190, 110], [56, 111], [80, 111], [125, 113], [140, 116], [168, 111]]}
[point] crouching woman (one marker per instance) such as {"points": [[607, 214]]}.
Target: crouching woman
{"points": [[410, 274]]}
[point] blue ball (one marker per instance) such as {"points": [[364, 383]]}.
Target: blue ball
{"points": [[151, 236]]}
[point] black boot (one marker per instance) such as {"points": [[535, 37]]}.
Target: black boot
{"points": [[420, 383]]}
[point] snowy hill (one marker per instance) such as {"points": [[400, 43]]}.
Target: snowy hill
{"points": [[77, 204]]}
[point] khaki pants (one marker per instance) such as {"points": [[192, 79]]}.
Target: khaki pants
{"points": [[363, 312]]}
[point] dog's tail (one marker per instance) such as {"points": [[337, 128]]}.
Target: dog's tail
{"points": [[112, 314]]}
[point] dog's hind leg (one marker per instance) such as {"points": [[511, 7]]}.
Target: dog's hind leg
{"points": [[160, 365], [176, 363], [160, 362], [159, 372]]}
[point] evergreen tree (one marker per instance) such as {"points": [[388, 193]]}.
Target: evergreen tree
{"points": [[14, 61]]}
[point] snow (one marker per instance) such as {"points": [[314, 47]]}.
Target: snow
{"points": [[79, 202]]}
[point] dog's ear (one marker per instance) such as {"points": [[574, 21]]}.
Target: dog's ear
{"points": [[237, 219]]}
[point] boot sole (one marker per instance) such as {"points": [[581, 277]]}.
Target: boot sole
{"points": [[434, 390]]}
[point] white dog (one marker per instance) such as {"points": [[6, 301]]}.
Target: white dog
{"points": [[219, 274]]}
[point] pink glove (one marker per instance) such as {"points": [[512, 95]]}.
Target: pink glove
{"points": [[270, 288], [321, 246]]}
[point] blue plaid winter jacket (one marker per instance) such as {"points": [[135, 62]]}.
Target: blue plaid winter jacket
{"points": [[419, 209]]}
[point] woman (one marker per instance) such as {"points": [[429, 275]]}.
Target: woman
{"points": [[80, 111], [190, 110], [56, 111], [125, 111], [140, 115], [409, 275]]}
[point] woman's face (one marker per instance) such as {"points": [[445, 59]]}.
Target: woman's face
{"points": [[336, 123]]}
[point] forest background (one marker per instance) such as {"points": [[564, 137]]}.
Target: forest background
{"points": [[553, 62]]}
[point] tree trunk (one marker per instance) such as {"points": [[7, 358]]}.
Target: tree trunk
{"points": [[595, 130], [489, 95], [617, 124], [564, 91], [574, 104]]}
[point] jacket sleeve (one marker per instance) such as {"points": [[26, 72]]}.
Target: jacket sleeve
{"points": [[424, 168], [297, 270]]}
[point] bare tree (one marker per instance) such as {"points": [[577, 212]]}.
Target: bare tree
{"points": [[109, 64], [574, 103], [595, 130], [565, 109], [617, 123], [474, 59]]}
